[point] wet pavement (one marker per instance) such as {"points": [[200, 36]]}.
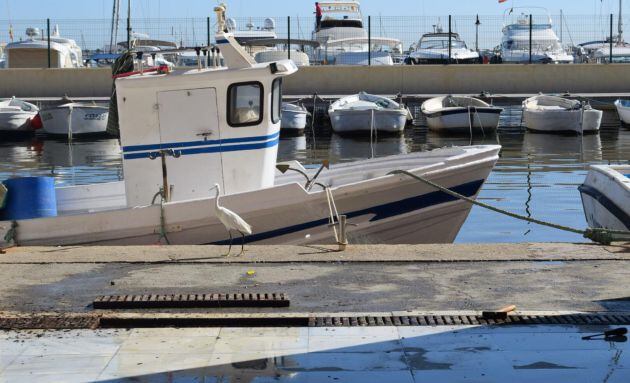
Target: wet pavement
{"points": [[375, 354]]}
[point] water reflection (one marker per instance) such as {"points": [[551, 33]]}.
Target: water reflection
{"points": [[537, 174]]}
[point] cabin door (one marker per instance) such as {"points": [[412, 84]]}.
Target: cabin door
{"points": [[190, 133]]}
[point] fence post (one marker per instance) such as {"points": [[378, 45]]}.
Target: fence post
{"points": [[48, 33], [369, 40], [289, 37], [129, 25], [208, 29], [450, 38], [531, 26], [477, 24], [610, 53]]}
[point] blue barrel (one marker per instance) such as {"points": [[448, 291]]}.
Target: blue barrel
{"points": [[29, 197]]}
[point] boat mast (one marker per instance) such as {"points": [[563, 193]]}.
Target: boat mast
{"points": [[115, 22], [620, 24]]}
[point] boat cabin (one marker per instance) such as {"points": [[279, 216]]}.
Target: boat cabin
{"points": [[186, 130]]}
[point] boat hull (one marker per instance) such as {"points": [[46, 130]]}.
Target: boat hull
{"points": [[553, 120], [16, 122], [385, 209], [623, 111], [293, 121], [462, 119], [76, 121], [360, 121], [606, 197]]}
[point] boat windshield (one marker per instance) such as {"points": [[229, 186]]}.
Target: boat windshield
{"points": [[440, 43], [343, 23]]}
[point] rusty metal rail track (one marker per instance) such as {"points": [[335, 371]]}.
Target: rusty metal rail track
{"points": [[178, 301]]}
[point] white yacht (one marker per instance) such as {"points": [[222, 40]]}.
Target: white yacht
{"points": [[33, 52], [433, 48], [230, 138], [344, 41], [545, 47]]}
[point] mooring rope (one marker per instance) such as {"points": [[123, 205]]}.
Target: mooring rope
{"points": [[601, 236]]}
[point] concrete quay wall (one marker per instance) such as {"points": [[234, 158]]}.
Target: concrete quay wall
{"points": [[422, 79]]}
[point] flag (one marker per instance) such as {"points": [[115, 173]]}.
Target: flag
{"points": [[11, 32], [502, 1]]}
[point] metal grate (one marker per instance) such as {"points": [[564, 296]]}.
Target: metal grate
{"points": [[178, 301]]}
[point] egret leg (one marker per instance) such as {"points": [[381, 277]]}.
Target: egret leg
{"points": [[230, 247], [242, 244]]}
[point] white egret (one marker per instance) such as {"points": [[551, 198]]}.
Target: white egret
{"points": [[231, 221]]}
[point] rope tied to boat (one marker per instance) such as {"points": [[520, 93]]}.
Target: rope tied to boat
{"points": [[163, 231], [601, 236]]}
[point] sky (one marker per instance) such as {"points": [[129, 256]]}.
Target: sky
{"points": [[101, 9]]}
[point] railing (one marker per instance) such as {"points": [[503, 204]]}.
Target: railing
{"points": [[478, 33]]}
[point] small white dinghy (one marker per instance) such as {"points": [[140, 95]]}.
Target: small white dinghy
{"points": [[170, 169], [365, 113], [460, 113], [623, 109], [606, 197], [16, 116], [75, 119], [557, 114], [293, 118]]}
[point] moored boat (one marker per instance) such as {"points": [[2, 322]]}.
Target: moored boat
{"points": [[366, 113], [75, 119], [557, 114], [231, 138], [293, 118], [460, 113], [606, 197], [16, 116], [623, 110]]}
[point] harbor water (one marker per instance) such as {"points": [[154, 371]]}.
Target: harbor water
{"points": [[537, 174]]}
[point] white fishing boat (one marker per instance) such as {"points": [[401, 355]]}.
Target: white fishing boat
{"points": [[231, 138], [545, 44], [623, 110], [433, 48], [16, 116], [461, 113], [293, 118], [75, 119], [557, 114], [606, 197], [366, 113], [33, 51]]}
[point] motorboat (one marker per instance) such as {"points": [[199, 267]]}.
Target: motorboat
{"points": [[368, 113], [545, 45], [623, 110], [344, 41], [293, 118], [33, 52], [433, 48], [557, 114], [75, 119], [230, 137], [606, 197], [16, 116], [461, 113]]}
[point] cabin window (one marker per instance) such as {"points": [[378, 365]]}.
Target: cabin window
{"points": [[245, 104], [276, 101]]}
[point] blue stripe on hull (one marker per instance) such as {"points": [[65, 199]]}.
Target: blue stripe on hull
{"points": [[380, 212], [173, 145], [607, 203], [211, 149]]}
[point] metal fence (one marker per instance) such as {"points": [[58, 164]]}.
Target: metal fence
{"points": [[479, 32]]}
